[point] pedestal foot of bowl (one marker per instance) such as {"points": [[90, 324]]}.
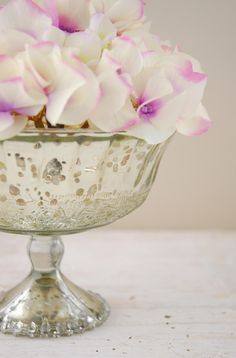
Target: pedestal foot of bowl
{"points": [[46, 303]]}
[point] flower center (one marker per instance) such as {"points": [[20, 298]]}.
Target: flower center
{"points": [[147, 109], [67, 25], [150, 110]]}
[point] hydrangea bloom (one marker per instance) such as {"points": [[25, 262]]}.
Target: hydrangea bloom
{"points": [[95, 62]]}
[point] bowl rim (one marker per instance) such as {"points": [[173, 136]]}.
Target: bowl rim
{"points": [[73, 133], [70, 131]]}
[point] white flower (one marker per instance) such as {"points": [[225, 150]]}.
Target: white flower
{"points": [[96, 61], [189, 83], [149, 115], [166, 98], [19, 98]]}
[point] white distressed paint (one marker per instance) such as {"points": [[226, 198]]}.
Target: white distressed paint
{"points": [[145, 276]]}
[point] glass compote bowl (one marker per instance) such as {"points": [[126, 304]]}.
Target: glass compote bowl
{"points": [[59, 182]]}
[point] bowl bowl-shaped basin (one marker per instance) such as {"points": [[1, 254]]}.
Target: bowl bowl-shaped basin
{"points": [[65, 182]]}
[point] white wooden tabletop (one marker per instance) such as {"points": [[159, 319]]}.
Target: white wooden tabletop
{"points": [[171, 294]]}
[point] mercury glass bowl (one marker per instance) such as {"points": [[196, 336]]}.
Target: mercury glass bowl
{"points": [[56, 183]]}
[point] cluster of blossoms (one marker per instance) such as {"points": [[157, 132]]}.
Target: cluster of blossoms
{"points": [[94, 64]]}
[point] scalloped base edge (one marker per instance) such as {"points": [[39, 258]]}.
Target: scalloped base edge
{"points": [[75, 325]]}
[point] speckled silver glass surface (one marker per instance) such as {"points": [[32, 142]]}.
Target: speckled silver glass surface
{"points": [[59, 183]]}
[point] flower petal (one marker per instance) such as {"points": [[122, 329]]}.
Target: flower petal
{"points": [[73, 15], [102, 25], [194, 96], [53, 70], [50, 7], [124, 13], [88, 45], [83, 101], [14, 98], [63, 90], [163, 124], [123, 120], [128, 121], [150, 84], [107, 62], [199, 124], [127, 54], [39, 61], [6, 120], [114, 94], [122, 9], [150, 133], [18, 15], [16, 125], [14, 41], [8, 68], [190, 75], [55, 35], [181, 72]]}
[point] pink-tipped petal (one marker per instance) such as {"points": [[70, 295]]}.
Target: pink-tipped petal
{"points": [[18, 15], [125, 119], [199, 124], [190, 75], [13, 92]]}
